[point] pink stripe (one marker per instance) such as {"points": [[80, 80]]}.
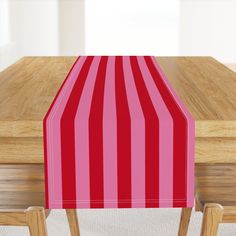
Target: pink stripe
{"points": [[191, 136], [110, 138], [166, 138], [137, 138], [190, 174], [54, 138], [82, 138]]}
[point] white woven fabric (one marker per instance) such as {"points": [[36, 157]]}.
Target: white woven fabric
{"points": [[118, 222]]}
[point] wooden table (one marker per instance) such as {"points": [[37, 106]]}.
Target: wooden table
{"points": [[28, 87]]}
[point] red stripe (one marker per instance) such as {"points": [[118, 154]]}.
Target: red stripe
{"points": [[180, 138], [68, 139], [96, 138], [45, 136], [151, 138], [123, 138]]}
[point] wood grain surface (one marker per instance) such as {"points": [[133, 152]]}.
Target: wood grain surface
{"points": [[205, 86], [28, 87], [212, 217], [21, 186], [215, 183], [21, 150], [184, 221]]}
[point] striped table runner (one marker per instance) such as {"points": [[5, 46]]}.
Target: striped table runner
{"points": [[117, 136]]}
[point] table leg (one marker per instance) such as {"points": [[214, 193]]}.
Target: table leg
{"points": [[198, 203], [184, 221], [212, 216], [36, 221], [73, 222]]}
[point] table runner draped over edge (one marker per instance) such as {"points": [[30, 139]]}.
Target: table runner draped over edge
{"points": [[118, 136]]}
